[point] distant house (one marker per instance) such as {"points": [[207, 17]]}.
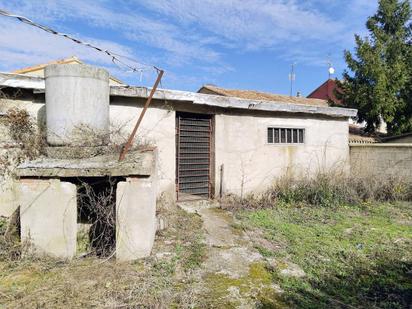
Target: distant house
{"points": [[358, 136], [405, 138], [258, 95], [38, 70], [326, 92]]}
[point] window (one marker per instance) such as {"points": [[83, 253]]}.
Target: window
{"points": [[286, 136]]}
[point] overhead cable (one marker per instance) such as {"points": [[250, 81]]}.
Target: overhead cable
{"points": [[115, 57]]}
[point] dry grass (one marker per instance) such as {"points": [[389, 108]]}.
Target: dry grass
{"points": [[28, 138], [25, 133], [326, 190], [164, 280]]}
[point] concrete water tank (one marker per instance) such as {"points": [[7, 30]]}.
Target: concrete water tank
{"points": [[77, 105]]}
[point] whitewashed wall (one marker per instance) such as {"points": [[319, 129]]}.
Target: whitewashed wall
{"points": [[157, 128], [250, 164]]}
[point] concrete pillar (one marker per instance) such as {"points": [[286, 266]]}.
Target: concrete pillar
{"points": [[135, 218], [48, 216], [7, 198]]}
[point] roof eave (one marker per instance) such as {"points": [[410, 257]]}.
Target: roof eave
{"points": [[232, 102], [38, 84]]}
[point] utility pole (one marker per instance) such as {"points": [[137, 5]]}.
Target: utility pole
{"points": [[292, 78]]}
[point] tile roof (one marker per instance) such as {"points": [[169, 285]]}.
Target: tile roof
{"points": [[38, 67], [70, 60], [257, 95], [357, 136]]}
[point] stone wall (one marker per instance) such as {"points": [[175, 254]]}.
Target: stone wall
{"points": [[10, 151], [384, 160]]}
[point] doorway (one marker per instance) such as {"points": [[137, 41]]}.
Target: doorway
{"points": [[193, 156]]}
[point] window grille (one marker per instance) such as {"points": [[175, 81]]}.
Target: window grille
{"points": [[286, 136]]}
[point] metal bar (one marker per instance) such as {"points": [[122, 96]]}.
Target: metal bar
{"points": [[191, 152], [210, 163], [196, 193], [193, 187], [149, 100], [196, 118], [196, 169], [193, 158], [196, 142], [195, 123], [178, 158], [188, 130], [186, 176], [222, 169], [194, 163], [193, 181]]}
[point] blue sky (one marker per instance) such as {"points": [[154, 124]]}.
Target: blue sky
{"points": [[245, 44]]}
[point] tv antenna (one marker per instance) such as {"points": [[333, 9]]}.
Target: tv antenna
{"points": [[292, 77], [331, 69]]}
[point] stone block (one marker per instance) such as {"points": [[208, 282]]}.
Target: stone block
{"points": [[135, 218], [7, 199], [48, 216]]}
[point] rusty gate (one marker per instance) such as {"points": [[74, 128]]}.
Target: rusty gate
{"points": [[193, 156]]}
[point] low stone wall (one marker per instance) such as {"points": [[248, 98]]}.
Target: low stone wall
{"points": [[384, 160]]}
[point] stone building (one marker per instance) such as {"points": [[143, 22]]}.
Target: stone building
{"points": [[246, 143], [207, 145]]}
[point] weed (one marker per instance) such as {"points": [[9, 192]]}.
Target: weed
{"points": [[154, 282], [197, 252], [264, 251], [25, 133], [3, 226], [358, 256], [98, 205], [325, 190]]}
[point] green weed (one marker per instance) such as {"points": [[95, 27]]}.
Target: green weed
{"points": [[353, 256]]}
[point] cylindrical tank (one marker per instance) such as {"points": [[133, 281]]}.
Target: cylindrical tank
{"points": [[77, 105]]}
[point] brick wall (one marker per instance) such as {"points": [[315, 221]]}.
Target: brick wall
{"points": [[382, 159]]}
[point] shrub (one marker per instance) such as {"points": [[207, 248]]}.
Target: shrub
{"points": [[326, 190], [23, 131]]}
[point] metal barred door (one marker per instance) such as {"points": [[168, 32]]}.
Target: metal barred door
{"points": [[193, 153]]}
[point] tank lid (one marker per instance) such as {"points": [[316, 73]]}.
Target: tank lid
{"points": [[75, 70]]}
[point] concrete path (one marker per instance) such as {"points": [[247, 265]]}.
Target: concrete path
{"points": [[234, 274]]}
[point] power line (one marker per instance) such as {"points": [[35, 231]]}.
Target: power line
{"points": [[115, 57]]}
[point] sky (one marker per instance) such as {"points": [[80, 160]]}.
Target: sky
{"points": [[241, 44]]}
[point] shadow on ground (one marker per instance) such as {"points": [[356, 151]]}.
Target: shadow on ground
{"points": [[388, 284]]}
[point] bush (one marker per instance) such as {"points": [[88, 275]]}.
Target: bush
{"points": [[327, 190], [24, 132]]}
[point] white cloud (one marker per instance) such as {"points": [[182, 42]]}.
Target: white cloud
{"points": [[181, 32], [252, 24], [131, 25], [22, 45]]}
